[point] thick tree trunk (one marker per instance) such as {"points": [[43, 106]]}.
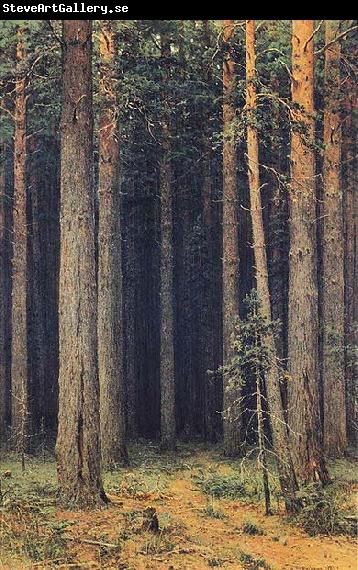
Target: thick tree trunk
{"points": [[335, 441], [167, 380], [281, 449], [110, 322], [351, 266], [78, 450], [303, 398], [231, 405], [19, 349]]}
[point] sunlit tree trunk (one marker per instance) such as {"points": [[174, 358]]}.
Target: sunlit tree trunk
{"points": [[78, 450], [303, 398], [335, 441], [110, 322], [272, 378], [232, 412]]}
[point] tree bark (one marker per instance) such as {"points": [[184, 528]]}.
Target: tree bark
{"points": [[303, 395], [334, 432], [167, 380], [280, 441], [3, 300], [19, 348], [351, 265], [78, 450], [110, 311], [231, 397]]}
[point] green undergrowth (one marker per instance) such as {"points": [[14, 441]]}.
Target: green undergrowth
{"points": [[324, 512], [245, 486]]}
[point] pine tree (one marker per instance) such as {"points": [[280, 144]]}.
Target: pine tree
{"points": [[232, 417], [19, 348], [110, 321], [3, 286], [281, 448], [78, 451], [335, 441], [167, 380], [303, 399]]}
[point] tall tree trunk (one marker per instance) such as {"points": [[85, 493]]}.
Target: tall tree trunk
{"points": [[351, 265], [335, 441], [167, 380], [3, 299], [303, 399], [19, 349], [232, 411], [277, 420], [78, 450], [110, 322]]}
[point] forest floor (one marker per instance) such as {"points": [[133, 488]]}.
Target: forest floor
{"points": [[210, 513]]}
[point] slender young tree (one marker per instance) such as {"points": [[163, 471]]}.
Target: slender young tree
{"points": [[167, 381], [19, 348], [232, 412], [303, 398], [110, 322], [281, 448], [335, 441], [78, 450]]}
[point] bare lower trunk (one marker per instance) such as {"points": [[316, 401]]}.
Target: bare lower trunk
{"points": [[303, 395], [110, 325], [232, 411], [335, 441], [78, 450]]}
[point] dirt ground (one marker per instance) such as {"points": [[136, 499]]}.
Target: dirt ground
{"points": [[196, 530]]}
